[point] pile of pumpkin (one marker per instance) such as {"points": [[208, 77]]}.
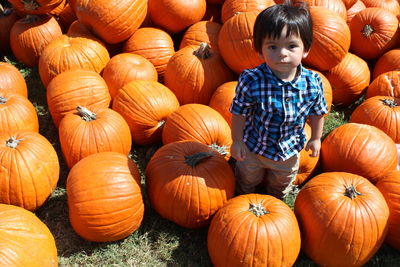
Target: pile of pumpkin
{"points": [[138, 72]]}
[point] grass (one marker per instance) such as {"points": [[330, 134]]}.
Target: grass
{"points": [[157, 242]]}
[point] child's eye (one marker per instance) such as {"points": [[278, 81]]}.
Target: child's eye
{"points": [[271, 47], [293, 46]]}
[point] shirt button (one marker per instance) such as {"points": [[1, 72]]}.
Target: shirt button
{"points": [[287, 99]]}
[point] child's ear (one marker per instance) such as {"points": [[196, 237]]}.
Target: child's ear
{"points": [[305, 53]]}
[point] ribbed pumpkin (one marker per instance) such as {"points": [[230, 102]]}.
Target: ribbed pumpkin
{"points": [[331, 40], [66, 17], [7, 19], [11, 80], [350, 3], [104, 196], [354, 9], [154, 44], [30, 35], [337, 6], [201, 123], [87, 132], [194, 72], [17, 113], [359, 148], [29, 169], [387, 62], [126, 67], [174, 16], [236, 38], [389, 186], [76, 88], [145, 105], [232, 7], [72, 52], [386, 84], [327, 90], [113, 21], [390, 5], [24, 239], [34, 6], [374, 31], [221, 100], [349, 79], [342, 218], [202, 31], [254, 230], [382, 112], [187, 182], [58, 9]]}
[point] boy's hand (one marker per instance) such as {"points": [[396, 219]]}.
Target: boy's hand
{"points": [[315, 146], [238, 150]]}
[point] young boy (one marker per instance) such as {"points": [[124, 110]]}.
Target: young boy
{"points": [[273, 102]]}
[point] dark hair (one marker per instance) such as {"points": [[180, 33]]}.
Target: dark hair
{"points": [[271, 21]]}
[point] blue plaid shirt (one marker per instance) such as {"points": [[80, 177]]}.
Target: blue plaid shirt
{"points": [[276, 111]]}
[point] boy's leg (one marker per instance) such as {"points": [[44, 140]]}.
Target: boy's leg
{"points": [[280, 176], [249, 173]]}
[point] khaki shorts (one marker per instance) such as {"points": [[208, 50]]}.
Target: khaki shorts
{"points": [[279, 174]]}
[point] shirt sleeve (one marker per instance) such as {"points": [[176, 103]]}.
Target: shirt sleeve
{"points": [[242, 102], [320, 107]]}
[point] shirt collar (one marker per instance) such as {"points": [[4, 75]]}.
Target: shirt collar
{"points": [[299, 82]]}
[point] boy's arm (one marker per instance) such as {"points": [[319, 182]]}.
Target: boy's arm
{"points": [[238, 148], [316, 124]]}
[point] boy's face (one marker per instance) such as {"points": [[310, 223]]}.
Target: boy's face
{"points": [[283, 55]]}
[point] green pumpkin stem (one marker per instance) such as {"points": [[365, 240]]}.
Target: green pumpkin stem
{"points": [[3, 100], [258, 209], [367, 30], [203, 52], [86, 114], [352, 192], [220, 149], [13, 142], [196, 158], [389, 102]]}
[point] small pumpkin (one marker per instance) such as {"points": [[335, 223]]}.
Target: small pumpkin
{"points": [[11, 80], [352, 11], [386, 84], [202, 31], [221, 100], [389, 61]]}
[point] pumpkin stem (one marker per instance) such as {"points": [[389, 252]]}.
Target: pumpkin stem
{"points": [[30, 4], [13, 142], [86, 114], [2, 10], [196, 158], [160, 123], [258, 209], [389, 102], [3, 100], [352, 192], [367, 30], [203, 52], [220, 149]]}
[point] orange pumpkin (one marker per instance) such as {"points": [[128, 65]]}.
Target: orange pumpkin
{"points": [[11, 80], [342, 218], [145, 105], [354, 9], [350, 3], [232, 7], [349, 79], [387, 62], [221, 100], [337, 6], [7, 19], [390, 5], [327, 90], [194, 73], [207, 178], [72, 52], [30, 35], [37, 7], [331, 40], [66, 17], [105, 200], [17, 113], [87, 132], [201, 123], [112, 21], [24, 239], [386, 84], [76, 88], [29, 169], [254, 230], [360, 149], [374, 31], [202, 32], [382, 112], [126, 67]]}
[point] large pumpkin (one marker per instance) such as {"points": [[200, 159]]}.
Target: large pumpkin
{"points": [[24, 239], [76, 88], [11, 80], [254, 230], [104, 197], [390, 5], [187, 182], [196, 122], [145, 105], [113, 21], [331, 40], [87, 132], [359, 148], [29, 169], [221, 100], [389, 61], [386, 84], [232, 7], [202, 31], [194, 73], [342, 217]]}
